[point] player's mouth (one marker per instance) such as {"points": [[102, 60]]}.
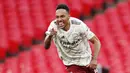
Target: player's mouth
{"points": [[61, 24]]}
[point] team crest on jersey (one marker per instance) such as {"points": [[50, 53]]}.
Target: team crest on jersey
{"points": [[75, 22]]}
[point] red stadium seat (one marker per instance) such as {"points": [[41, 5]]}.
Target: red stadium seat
{"points": [[126, 62], [87, 6], [2, 68], [98, 4], [100, 22], [11, 65], [40, 62], [25, 62], [90, 24], [75, 8], [3, 35], [14, 34], [57, 65], [3, 44], [109, 1], [103, 59], [38, 19], [124, 12], [115, 23], [113, 19], [25, 22], [114, 60], [129, 3], [49, 13], [117, 32], [63, 2]]}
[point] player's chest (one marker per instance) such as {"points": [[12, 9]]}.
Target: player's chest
{"points": [[69, 36]]}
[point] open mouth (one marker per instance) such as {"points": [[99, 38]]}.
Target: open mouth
{"points": [[61, 24]]}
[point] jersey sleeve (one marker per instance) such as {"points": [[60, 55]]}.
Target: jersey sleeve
{"points": [[86, 32], [52, 25]]}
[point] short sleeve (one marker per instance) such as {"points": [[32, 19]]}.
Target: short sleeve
{"points": [[86, 32], [52, 25]]}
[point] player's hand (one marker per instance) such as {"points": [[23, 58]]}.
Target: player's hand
{"points": [[53, 32], [93, 64]]}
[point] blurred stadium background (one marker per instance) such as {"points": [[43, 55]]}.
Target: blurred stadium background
{"points": [[23, 24]]}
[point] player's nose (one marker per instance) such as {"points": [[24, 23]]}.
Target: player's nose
{"points": [[59, 19]]}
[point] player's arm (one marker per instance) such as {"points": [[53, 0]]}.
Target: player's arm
{"points": [[92, 38], [49, 35], [47, 41], [96, 43], [48, 38], [87, 33]]}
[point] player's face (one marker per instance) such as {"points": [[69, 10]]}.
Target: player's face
{"points": [[62, 18]]}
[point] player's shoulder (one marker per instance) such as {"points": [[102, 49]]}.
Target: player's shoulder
{"points": [[53, 22], [75, 21], [78, 23]]}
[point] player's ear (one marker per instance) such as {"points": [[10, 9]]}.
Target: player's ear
{"points": [[68, 15]]}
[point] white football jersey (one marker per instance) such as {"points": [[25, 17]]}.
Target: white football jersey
{"points": [[73, 46]]}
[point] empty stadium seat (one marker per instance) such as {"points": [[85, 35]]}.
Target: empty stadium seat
{"points": [[87, 6], [49, 7], [75, 8], [124, 12], [27, 30], [102, 25], [24, 20], [103, 58], [3, 45], [40, 61], [57, 65], [109, 1], [11, 65], [98, 4], [3, 35], [128, 2], [39, 22], [113, 20], [25, 62], [14, 36], [90, 24], [63, 2], [2, 68]]}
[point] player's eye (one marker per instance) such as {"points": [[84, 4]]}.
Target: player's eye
{"points": [[62, 16], [57, 16]]}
